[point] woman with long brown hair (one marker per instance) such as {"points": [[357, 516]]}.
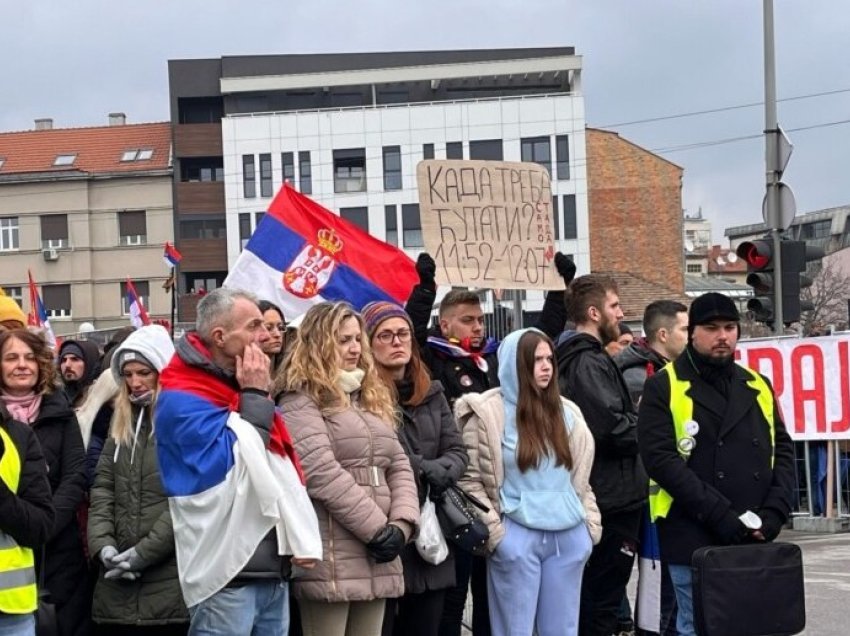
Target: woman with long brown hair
{"points": [[530, 455], [342, 420], [431, 438]]}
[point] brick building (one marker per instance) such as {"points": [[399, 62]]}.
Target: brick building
{"points": [[635, 211]]}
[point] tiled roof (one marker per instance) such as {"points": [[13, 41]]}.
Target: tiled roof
{"points": [[636, 293], [97, 150], [731, 263]]}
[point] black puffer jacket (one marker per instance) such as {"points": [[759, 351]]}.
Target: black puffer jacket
{"points": [[430, 434], [129, 509], [27, 514], [59, 435], [588, 376]]}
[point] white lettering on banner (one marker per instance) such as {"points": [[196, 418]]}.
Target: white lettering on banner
{"points": [[811, 379], [488, 223]]}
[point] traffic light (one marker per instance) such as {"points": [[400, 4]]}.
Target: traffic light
{"points": [[795, 257], [758, 255]]}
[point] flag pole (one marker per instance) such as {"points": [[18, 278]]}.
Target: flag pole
{"points": [[173, 300]]}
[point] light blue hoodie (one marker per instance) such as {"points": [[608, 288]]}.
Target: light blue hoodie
{"points": [[541, 498]]}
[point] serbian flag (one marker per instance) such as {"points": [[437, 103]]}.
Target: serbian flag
{"points": [[37, 316], [138, 316], [302, 254], [171, 256]]}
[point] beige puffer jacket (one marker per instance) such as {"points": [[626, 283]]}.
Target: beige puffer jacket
{"points": [[359, 479], [481, 417]]}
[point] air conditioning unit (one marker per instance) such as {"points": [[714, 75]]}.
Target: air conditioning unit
{"points": [[50, 254]]}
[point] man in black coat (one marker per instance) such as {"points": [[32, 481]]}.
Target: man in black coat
{"points": [[459, 355], [732, 455], [588, 376]]}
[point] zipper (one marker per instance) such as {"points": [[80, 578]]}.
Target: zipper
{"points": [[331, 550]]}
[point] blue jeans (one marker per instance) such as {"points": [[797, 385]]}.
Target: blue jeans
{"points": [[258, 608], [683, 585], [17, 624]]}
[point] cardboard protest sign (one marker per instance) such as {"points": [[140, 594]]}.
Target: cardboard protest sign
{"points": [[488, 223]]}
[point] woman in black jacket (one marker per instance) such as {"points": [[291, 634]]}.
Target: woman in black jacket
{"points": [[26, 507], [28, 391], [432, 440]]}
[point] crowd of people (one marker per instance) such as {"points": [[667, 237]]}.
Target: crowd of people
{"points": [[254, 479]]}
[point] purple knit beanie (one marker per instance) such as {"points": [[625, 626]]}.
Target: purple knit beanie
{"points": [[377, 312]]}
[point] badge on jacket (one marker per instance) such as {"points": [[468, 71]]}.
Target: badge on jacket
{"points": [[465, 380]]}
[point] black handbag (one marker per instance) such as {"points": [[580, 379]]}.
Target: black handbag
{"points": [[45, 615], [457, 512], [748, 590]]}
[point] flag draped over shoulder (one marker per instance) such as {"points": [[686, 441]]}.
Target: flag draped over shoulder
{"points": [[302, 254]]}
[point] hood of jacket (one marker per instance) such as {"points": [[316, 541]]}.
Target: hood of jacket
{"points": [[91, 358], [508, 374], [152, 342], [639, 354], [194, 352]]}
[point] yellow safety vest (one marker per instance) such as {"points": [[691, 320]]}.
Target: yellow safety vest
{"points": [[18, 594], [682, 410]]}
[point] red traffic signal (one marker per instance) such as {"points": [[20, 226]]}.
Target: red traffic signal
{"points": [[758, 254]]}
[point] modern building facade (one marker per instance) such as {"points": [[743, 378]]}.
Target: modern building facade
{"points": [[697, 243], [349, 131], [83, 209]]}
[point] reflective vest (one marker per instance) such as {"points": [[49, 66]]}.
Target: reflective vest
{"points": [[682, 410], [18, 594]]}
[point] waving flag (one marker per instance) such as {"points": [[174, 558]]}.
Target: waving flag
{"points": [[138, 316], [38, 314], [302, 254], [171, 256]]}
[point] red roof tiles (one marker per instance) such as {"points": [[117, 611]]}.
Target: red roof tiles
{"points": [[97, 150]]}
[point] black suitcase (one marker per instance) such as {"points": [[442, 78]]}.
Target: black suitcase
{"points": [[754, 589]]}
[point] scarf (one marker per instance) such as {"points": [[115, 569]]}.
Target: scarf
{"points": [[350, 381], [24, 409], [462, 349], [221, 395], [717, 373]]}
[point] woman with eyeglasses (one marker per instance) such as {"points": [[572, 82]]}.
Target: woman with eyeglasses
{"points": [[342, 420], [432, 441], [275, 346]]}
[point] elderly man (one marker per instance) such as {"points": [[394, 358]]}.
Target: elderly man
{"points": [[712, 438], [237, 499]]}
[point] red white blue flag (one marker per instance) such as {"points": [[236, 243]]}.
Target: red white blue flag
{"points": [[37, 316], [302, 254], [138, 316], [171, 256]]}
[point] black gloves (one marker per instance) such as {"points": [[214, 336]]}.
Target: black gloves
{"points": [[387, 544], [427, 269], [563, 263], [437, 476], [730, 530], [771, 523]]}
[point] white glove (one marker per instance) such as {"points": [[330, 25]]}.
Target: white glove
{"points": [[107, 554]]}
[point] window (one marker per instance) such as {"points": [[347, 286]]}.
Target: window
{"points": [[202, 169], [391, 223], [65, 160], [142, 291], [244, 229], [816, 230], [411, 225], [137, 154], [486, 149], [202, 227], [305, 172], [202, 282], [570, 221], [54, 231], [359, 216], [350, 170], [258, 216], [556, 217], [249, 177], [287, 162], [694, 268], [9, 233], [454, 150], [538, 150], [562, 157], [265, 175], [427, 151], [132, 227], [57, 300], [392, 168], [200, 110], [15, 293]]}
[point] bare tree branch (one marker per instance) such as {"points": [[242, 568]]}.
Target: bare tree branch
{"points": [[829, 296]]}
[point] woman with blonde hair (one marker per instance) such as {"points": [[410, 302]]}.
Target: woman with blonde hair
{"points": [[530, 455], [130, 528], [342, 420]]}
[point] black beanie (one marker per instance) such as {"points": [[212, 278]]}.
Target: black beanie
{"points": [[709, 307]]}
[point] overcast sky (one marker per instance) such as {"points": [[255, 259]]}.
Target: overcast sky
{"points": [[643, 59]]}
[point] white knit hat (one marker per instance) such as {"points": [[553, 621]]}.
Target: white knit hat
{"points": [[150, 345]]}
